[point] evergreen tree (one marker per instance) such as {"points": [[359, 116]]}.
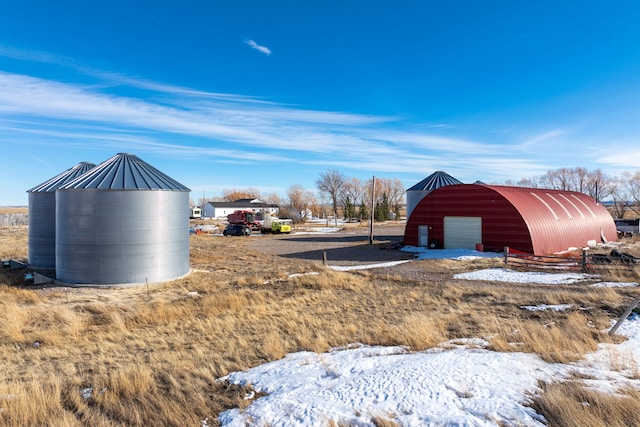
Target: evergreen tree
{"points": [[349, 209], [381, 212], [364, 212]]}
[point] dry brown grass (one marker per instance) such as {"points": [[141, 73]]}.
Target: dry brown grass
{"points": [[617, 272], [384, 421], [14, 210], [152, 354], [562, 341], [13, 243], [570, 404]]}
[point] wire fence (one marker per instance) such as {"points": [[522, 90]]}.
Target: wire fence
{"points": [[13, 219]]}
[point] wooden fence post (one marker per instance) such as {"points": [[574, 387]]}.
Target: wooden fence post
{"points": [[622, 318], [324, 258], [584, 260], [506, 255]]}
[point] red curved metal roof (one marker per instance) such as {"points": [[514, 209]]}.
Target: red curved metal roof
{"points": [[533, 220]]}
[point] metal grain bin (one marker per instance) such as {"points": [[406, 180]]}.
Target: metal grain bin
{"points": [[42, 217], [420, 190], [122, 222]]}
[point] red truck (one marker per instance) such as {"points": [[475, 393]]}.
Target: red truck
{"points": [[249, 218]]}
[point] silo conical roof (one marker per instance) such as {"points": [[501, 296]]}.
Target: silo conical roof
{"points": [[125, 172], [63, 178], [434, 181]]}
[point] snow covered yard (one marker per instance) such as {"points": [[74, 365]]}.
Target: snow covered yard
{"points": [[458, 383]]}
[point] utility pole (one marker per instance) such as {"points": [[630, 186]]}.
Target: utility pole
{"points": [[371, 216]]}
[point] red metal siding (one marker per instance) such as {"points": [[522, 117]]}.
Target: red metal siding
{"points": [[558, 220], [536, 221]]}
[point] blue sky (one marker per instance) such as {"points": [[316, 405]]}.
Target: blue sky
{"points": [[222, 95]]}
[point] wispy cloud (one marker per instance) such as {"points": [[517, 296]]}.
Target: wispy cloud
{"points": [[185, 123], [241, 122], [259, 48], [34, 56], [627, 158], [551, 136]]}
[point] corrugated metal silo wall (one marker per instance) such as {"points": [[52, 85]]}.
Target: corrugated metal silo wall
{"points": [[413, 198], [42, 230], [502, 224], [121, 236]]}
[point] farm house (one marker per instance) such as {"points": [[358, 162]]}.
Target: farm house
{"points": [[486, 217]]}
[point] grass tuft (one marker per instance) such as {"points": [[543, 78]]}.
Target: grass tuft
{"points": [[566, 340], [570, 404]]}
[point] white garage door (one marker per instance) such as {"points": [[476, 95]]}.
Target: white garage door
{"points": [[462, 232]]}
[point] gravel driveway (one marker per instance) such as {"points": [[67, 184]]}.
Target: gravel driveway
{"points": [[349, 246]]}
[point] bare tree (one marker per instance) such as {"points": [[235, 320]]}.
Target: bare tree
{"points": [[202, 201], [583, 180], [358, 194], [390, 193], [557, 179], [231, 195], [618, 195], [593, 183], [301, 202], [332, 183], [353, 189], [273, 198], [598, 185], [630, 186], [529, 182], [396, 196]]}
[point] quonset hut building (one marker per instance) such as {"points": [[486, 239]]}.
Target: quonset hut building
{"points": [[531, 220], [42, 217], [121, 222]]}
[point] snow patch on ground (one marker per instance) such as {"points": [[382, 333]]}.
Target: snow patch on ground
{"points": [[545, 307], [459, 383], [457, 254], [505, 275], [614, 284], [366, 266]]}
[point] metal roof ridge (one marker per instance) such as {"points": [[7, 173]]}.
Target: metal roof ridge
{"points": [[62, 178], [435, 180], [125, 172]]}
